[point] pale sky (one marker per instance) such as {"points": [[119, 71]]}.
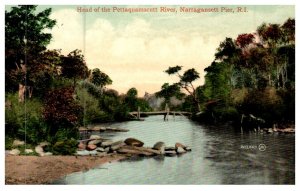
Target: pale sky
{"points": [[135, 48]]}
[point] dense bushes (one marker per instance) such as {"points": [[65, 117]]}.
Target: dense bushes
{"points": [[25, 121], [61, 111]]}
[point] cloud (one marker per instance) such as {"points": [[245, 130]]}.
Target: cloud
{"points": [[135, 51], [133, 55]]}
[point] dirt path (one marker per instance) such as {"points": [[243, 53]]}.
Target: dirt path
{"points": [[42, 170]]}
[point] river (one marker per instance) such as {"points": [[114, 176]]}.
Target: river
{"points": [[219, 155]]}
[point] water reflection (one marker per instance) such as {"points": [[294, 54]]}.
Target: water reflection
{"points": [[219, 155]]}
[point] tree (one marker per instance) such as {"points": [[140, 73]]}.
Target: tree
{"points": [[131, 99], [74, 66], [25, 39], [186, 81], [167, 91], [100, 78]]}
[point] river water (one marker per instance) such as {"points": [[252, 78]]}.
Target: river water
{"points": [[219, 156]]}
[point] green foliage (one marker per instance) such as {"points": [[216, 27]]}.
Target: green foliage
{"points": [[65, 147], [100, 78], [90, 105], [25, 38], [173, 70], [24, 120], [189, 76], [185, 82], [132, 102], [253, 75], [167, 91], [271, 105]]}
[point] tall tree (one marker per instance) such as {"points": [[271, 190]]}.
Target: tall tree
{"points": [[25, 39], [186, 81], [74, 66]]}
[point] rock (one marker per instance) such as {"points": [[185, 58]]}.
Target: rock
{"points": [[134, 142], [102, 154], [160, 146], [133, 151], [170, 153], [27, 151], [102, 129], [106, 149], [97, 128], [82, 129], [177, 145], [188, 148], [270, 130], [116, 145], [106, 143], [81, 146], [95, 142], [116, 129], [43, 144], [14, 152], [17, 143], [95, 137], [83, 153], [48, 154], [180, 150], [93, 153], [38, 149], [100, 149], [138, 150], [170, 149], [91, 147]]}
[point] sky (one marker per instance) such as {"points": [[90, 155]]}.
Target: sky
{"points": [[134, 49]]}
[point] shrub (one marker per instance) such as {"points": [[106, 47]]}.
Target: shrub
{"points": [[90, 105], [65, 147], [62, 111], [24, 120]]}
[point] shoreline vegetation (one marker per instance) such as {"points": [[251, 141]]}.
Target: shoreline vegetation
{"points": [[50, 96]]}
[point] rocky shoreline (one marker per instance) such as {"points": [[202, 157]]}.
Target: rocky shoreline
{"points": [[97, 146], [92, 152]]}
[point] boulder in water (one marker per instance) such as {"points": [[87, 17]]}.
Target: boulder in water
{"points": [[160, 146], [116, 145], [170, 149], [106, 143], [180, 150], [134, 142], [188, 148], [177, 145], [170, 153]]}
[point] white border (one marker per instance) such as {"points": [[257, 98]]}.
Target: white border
{"points": [[135, 187]]}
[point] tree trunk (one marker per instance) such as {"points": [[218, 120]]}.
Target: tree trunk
{"points": [[21, 93]]}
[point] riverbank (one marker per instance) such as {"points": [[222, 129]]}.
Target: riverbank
{"points": [[43, 170]]}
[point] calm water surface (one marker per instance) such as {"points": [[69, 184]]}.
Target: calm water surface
{"points": [[217, 157]]}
